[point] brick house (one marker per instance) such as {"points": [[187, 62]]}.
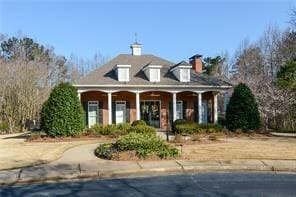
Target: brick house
{"points": [[145, 87]]}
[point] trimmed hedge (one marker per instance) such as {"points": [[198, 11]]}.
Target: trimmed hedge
{"points": [[242, 111], [141, 129], [119, 129], [113, 129], [62, 113], [190, 127]]}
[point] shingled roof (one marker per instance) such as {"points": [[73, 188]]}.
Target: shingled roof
{"points": [[105, 75]]}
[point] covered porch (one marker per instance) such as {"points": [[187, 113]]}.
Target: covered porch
{"points": [[158, 108]]}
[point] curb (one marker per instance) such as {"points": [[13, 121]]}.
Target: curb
{"points": [[20, 176]]}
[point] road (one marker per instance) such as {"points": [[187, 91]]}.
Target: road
{"points": [[206, 184]]}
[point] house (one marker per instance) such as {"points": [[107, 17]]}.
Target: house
{"points": [[145, 87]]}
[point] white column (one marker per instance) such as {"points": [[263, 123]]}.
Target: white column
{"points": [[199, 108], [109, 108], [138, 105], [79, 96], [215, 107], [174, 106]]}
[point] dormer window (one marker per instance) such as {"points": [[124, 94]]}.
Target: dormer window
{"points": [[182, 71], [152, 72], [185, 74], [122, 72]]}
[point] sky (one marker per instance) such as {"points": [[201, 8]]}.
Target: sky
{"points": [[174, 30]]}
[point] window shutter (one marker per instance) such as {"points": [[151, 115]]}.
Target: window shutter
{"points": [[184, 110], [113, 112], [100, 117], [85, 109], [127, 112]]}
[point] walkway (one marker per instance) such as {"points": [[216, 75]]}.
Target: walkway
{"points": [[80, 162]]}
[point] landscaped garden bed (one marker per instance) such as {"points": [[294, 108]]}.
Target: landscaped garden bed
{"points": [[136, 145]]}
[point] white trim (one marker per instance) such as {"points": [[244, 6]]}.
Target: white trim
{"points": [[182, 66], [215, 108], [109, 108], [174, 106], [151, 85], [199, 108], [123, 66], [152, 66], [138, 117]]}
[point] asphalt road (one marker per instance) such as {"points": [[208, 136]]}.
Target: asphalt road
{"points": [[210, 184]]}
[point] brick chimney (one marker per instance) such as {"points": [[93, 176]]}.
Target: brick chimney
{"points": [[196, 63]]}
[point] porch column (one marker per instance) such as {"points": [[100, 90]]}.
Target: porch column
{"points": [[109, 108], [199, 107], [79, 96], [174, 106], [138, 105], [215, 107]]}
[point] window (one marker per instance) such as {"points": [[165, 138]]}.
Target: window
{"points": [[123, 72], [154, 74], [93, 112], [120, 112], [185, 75], [179, 110]]}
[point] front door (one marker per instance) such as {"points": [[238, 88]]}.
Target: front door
{"points": [[150, 113], [120, 112]]}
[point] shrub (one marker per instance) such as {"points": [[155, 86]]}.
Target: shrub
{"points": [[123, 127], [105, 151], [142, 129], [3, 126], [139, 122], [190, 127], [186, 128], [145, 144], [242, 111], [62, 114], [113, 129]]}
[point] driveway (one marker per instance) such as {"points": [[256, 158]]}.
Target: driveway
{"points": [[15, 152]]}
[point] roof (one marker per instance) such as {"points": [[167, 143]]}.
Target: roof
{"points": [[105, 75], [182, 63]]}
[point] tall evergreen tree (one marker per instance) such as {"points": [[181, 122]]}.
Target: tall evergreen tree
{"points": [[62, 114], [242, 111]]}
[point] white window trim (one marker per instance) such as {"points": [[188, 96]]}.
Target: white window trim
{"points": [[89, 103]]}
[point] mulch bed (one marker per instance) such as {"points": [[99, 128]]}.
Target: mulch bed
{"points": [[43, 138]]}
